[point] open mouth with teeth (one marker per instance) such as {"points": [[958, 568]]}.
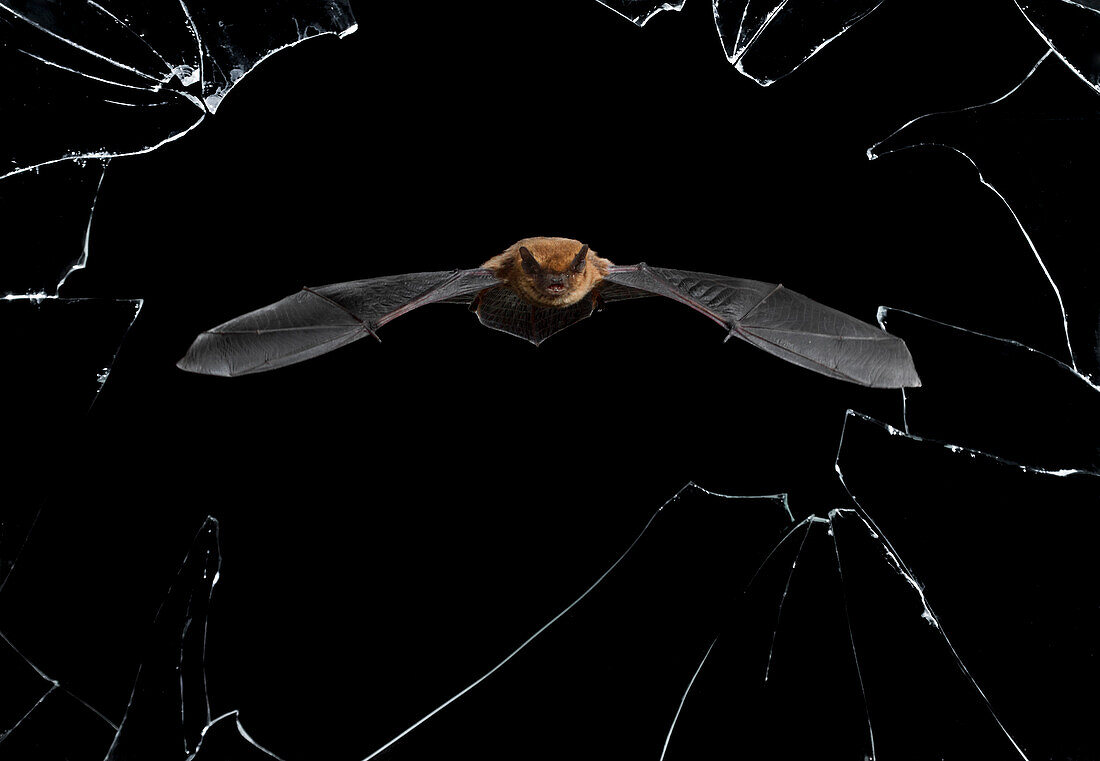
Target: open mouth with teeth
{"points": [[555, 288]]}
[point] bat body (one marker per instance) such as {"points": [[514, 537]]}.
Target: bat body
{"points": [[540, 286]]}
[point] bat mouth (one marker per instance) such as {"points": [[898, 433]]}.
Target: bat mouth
{"points": [[556, 288]]}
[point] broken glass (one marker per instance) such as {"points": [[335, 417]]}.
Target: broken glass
{"points": [[67, 349], [86, 82], [974, 383], [151, 57], [651, 632], [641, 11], [134, 77], [57, 244], [785, 651], [56, 726], [169, 710], [981, 571], [226, 740], [764, 39], [767, 40], [1033, 148], [1070, 28], [946, 613]]}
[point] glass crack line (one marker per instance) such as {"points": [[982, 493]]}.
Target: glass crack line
{"points": [[786, 588], [82, 262], [566, 609], [956, 448], [1054, 48], [4, 735], [104, 154], [683, 699], [894, 558], [851, 635], [55, 684], [873, 154]]}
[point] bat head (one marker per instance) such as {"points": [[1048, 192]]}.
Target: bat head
{"points": [[551, 274]]}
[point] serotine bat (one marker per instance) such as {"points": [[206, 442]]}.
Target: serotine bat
{"points": [[539, 286]]}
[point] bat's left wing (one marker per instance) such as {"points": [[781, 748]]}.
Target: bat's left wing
{"points": [[783, 323], [317, 320]]}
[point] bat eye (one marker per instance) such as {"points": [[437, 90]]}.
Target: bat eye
{"points": [[580, 260], [530, 263]]}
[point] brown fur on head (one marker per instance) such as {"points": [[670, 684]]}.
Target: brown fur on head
{"points": [[553, 272]]}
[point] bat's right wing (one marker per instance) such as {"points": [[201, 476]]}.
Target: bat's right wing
{"points": [[783, 323], [317, 320]]}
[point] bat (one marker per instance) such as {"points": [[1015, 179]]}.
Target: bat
{"points": [[540, 286]]}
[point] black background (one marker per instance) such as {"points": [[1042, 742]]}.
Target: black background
{"points": [[396, 518]]}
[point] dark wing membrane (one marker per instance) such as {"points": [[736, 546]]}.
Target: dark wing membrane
{"points": [[783, 323], [317, 320], [501, 309], [611, 292]]}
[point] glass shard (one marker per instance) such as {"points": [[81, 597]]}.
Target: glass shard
{"points": [[765, 39], [226, 740], [1071, 28], [60, 728], [974, 391], [134, 77], [981, 573], [926, 688], [768, 39], [237, 37], [64, 350], [40, 719], [54, 83], [24, 687], [785, 651], [46, 220], [169, 709], [641, 11], [565, 673], [1033, 147]]}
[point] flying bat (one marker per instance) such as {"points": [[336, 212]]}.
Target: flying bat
{"points": [[540, 286]]}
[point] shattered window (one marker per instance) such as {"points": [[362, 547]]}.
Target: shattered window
{"points": [[634, 540]]}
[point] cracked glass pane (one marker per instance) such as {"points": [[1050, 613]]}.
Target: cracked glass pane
{"points": [[1070, 28], [764, 39], [59, 728], [74, 101], [66, 350], [158, 61], [981, 571], [169, 708], [46, 216], [959, 404], [767, 40], [88, 81], [688, 624], [448, 541], [641, 11], [1033, 148], [926, 687], [226, 740], [785, 652]]}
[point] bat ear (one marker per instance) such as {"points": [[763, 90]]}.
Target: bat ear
{"points": [[530, 263], [580, 260]]}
